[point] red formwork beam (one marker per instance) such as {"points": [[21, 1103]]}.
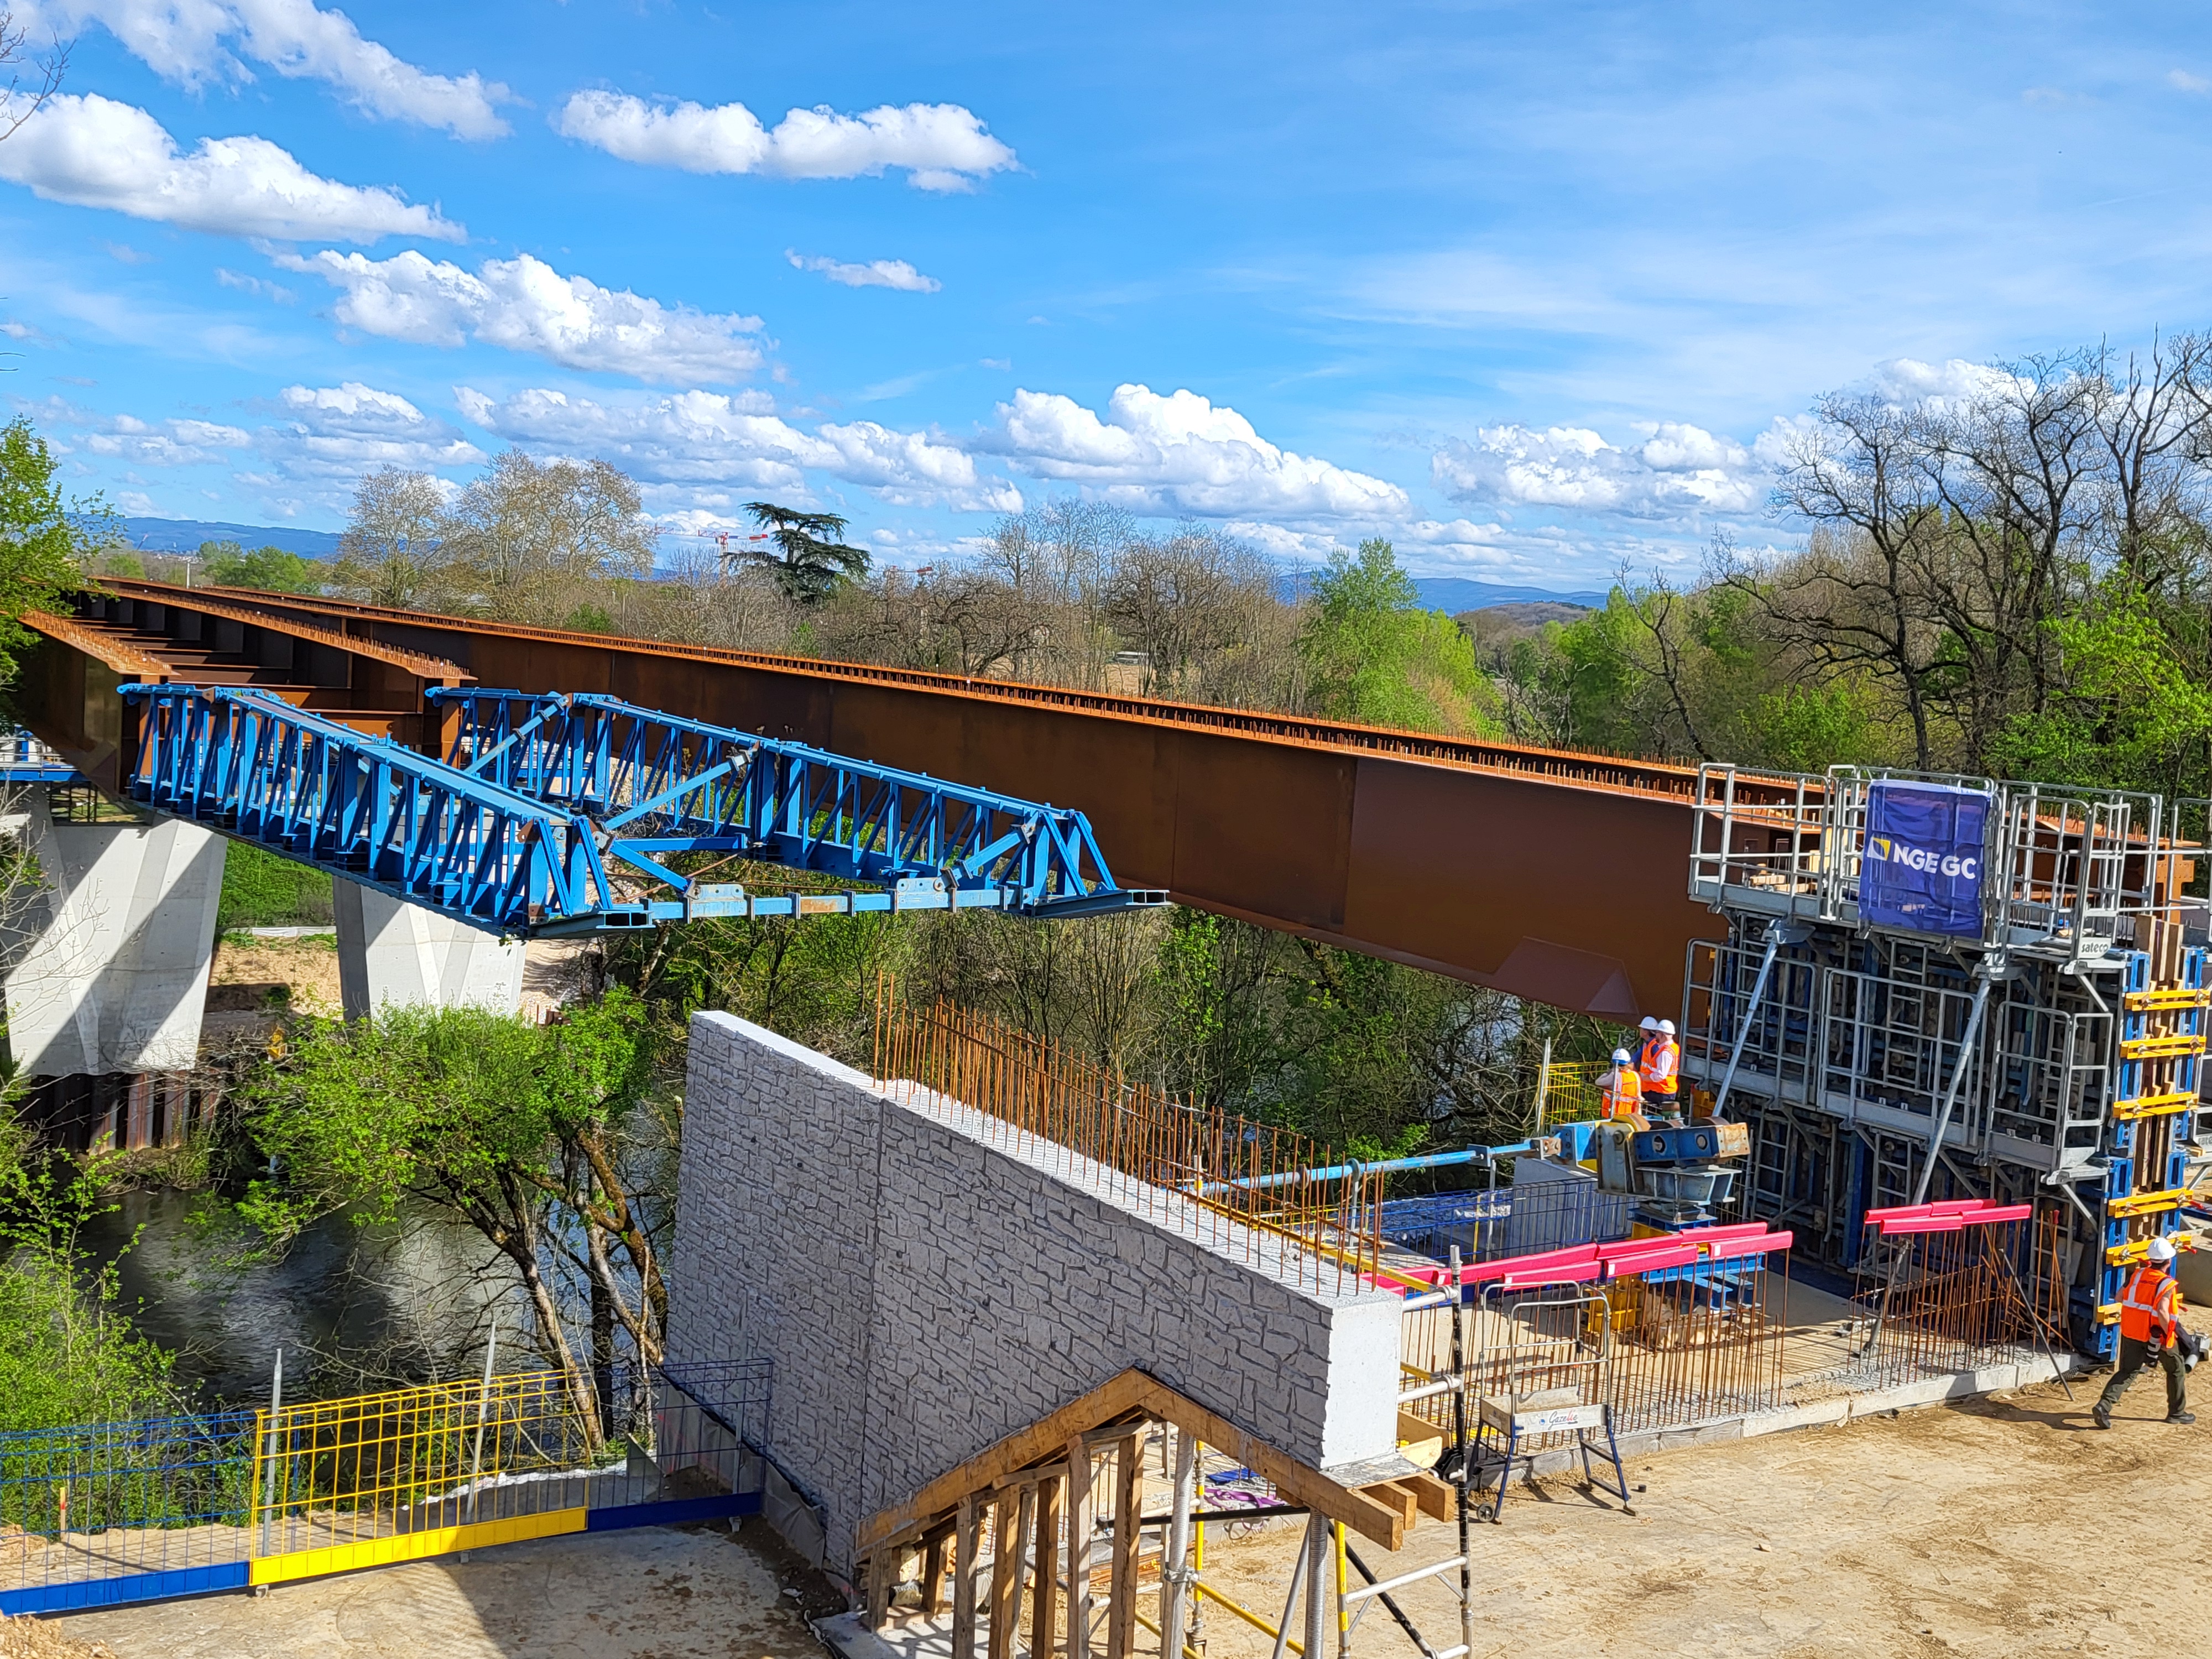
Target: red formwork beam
{"points": [[1558, 877]]}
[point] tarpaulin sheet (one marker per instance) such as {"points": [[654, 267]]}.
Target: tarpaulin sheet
{"points": [[1923, 864]]}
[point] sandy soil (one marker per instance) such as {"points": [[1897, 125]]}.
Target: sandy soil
{"points": [[309, 966], [2006, 1527], [655, 1592]]}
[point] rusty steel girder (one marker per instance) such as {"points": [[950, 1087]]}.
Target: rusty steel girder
{"points": [[1554, 876]]}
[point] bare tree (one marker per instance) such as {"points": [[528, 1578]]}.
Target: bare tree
{"points": [[2153, 414], [32, 79], [393, 550], [1855, 600], [532, 535]]}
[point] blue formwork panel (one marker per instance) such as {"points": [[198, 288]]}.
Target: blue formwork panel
{"points": [[81, 1595]]}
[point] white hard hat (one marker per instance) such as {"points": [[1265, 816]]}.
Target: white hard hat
{"points": [[2160, 1251], [1666, 1028], [1620, 1058], [1650, 1024]]}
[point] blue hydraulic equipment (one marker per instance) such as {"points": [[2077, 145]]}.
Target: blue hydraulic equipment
{"points": [[525, 833], [24, 759]]}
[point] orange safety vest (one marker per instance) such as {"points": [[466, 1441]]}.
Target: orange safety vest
{"points": [[2147, 1304], [1624, 1093], [1661, 1062]]}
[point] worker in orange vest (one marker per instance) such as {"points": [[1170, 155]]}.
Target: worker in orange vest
{"points": [[1660, 1073], [2150, 1328], [1623, 1089]]}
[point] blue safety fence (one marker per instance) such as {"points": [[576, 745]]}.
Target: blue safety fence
{"points": [[99, 1514]]}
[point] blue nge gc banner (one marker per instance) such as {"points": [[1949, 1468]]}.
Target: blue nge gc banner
{"points": [[1922, 866]]}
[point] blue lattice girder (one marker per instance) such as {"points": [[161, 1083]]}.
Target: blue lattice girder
{"points": [[250, 764], [561, 817], [659, 785]]}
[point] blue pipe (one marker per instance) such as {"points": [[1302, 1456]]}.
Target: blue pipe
{"points": [[1386, 1166]]}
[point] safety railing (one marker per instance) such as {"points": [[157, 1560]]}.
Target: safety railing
{"points": [[2065, 869], [106, 1513], [1294, 1207], [1953, 1286]]}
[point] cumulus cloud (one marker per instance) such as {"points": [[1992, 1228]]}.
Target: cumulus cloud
{"points": [[524, 305], [941, 147], [180, 442], [1675, 468], [877, 273], [1906, 380], [91, 151], [195, 42], [1182, 453], [706, 437], [337, 433]]}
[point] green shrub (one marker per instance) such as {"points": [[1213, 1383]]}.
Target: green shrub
{"points": [[260, 890]]}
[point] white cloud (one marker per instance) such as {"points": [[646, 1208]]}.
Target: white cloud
{"points": [[1676, 468], [942, 147], [877, 273], [2183, 80], [524, 305], [1906, 380], [1182, 454], [184, 40], [337, 433], [91, 151], [186, 441], [706, 437], [229, 278]]}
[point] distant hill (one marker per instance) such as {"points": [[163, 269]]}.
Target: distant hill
{"points": [[184, 536], [1453, 594]]}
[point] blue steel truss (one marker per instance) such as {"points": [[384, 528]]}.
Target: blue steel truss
{"points": [[659, 785], [558, 813], [252, 766]]}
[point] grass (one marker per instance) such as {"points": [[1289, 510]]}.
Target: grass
{"points": [[260, 890]]}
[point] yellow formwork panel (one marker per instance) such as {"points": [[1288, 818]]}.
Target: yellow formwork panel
{"points": [[2154, 1105], [413, 1545], [2146, 1203], [2140, 1002], [2178, 1046]]}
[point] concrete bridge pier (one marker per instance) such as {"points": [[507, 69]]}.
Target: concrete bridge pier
{"points": [[107, 953], [394, 953]]}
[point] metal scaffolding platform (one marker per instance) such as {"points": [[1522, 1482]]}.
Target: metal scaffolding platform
{"points": [[2051, 1054]]}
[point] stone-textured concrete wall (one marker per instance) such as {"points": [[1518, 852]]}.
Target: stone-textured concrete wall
{"points": [[926, 1282]]}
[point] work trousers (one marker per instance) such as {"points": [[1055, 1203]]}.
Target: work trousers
{"points": [[2134, 1356]]}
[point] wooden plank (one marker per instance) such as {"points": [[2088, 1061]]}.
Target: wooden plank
{"points": [[1121, 1595], [933, 1574], [1079, 1528], [1435, 1496], [964, 1579], [1399, 1493], [1026, 1500], [1047, 1437], [883, 1571], [1006, 1571], [1299, 1482], [1044, 1606]]}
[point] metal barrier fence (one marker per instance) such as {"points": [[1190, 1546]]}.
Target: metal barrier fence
{"points": [[1660, 1347], [1956, 1287], [100, 1514], [1228, 1178]]}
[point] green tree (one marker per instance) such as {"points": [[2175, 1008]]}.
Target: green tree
{"points": [[268, 569], [811, 558], [41, 537], [524, 1132], [1375, 656]]}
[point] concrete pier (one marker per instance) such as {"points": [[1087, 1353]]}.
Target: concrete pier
{"points": [[107, 956], [392, 952]]}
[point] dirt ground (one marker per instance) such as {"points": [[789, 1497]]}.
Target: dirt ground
{"points": [[2004, 1526], [655, 1592]]}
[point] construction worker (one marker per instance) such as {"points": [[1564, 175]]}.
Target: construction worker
{"points": [[1660, 1071], [1624, 1090], [2150, 1328]]}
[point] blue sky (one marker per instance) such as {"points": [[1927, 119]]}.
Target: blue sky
{"points": [[1535, 289]]}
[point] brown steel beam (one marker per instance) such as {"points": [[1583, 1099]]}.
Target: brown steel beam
{"points": [[1554, 876]]}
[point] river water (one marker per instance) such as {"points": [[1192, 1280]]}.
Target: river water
{"points": [[354, 1307]]}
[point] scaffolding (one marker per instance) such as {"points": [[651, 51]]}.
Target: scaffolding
{"points": [[2052, 1058]]}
